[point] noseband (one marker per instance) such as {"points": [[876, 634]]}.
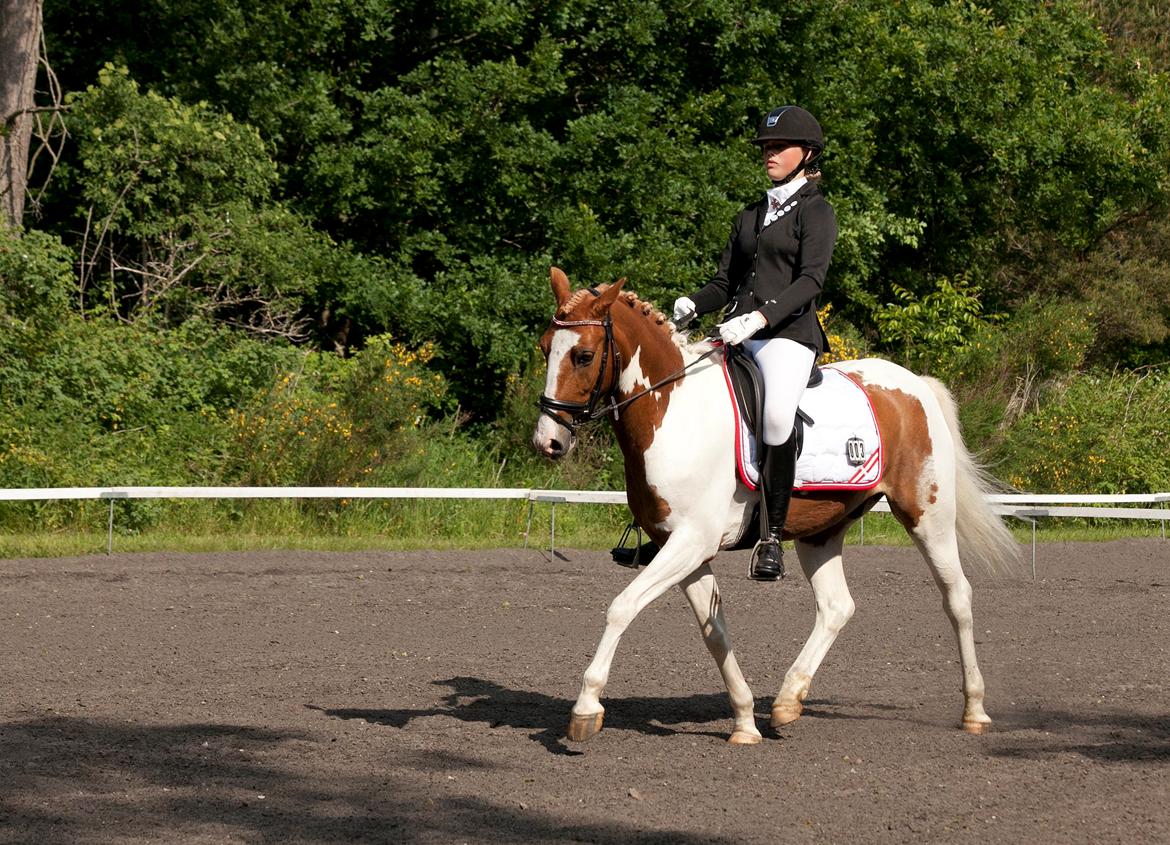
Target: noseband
{"points": [[583, 412]]}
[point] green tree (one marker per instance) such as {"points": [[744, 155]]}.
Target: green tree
{"points": [[179, 219], [466, 144], [936, 327]]}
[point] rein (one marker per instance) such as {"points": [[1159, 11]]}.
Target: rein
{"points": [[584, 412]]}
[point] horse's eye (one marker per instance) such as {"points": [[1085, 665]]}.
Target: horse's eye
{"points": [[583, 357]]}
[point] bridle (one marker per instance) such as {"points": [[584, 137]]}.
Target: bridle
{"points": [[584, 412]]}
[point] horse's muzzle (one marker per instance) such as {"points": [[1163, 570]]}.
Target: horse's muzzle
{"points": [[551, 439]]}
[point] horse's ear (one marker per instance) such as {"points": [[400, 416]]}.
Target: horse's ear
{"points": [[608, 296], [560, 285]]}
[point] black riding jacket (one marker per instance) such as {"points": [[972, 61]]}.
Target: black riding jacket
{"points": [[778, 270]]}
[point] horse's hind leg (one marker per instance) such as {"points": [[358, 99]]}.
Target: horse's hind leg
{"points": [[934, 535], [821, 562], [681, 555], [703, 594]]}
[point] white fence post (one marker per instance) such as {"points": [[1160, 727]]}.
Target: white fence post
{"points": [[111, 495]]}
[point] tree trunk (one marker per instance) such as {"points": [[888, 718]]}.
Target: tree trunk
{"points": [[20, 37]]}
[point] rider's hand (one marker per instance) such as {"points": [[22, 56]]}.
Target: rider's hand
{"points": [[684, 310], [741, 328]]}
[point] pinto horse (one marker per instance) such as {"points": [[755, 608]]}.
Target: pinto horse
{"points": [[610, 354]]}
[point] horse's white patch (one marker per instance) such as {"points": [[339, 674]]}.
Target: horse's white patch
{"points": [[548, 429], [632, 376], [563, 340], [695, 432]]}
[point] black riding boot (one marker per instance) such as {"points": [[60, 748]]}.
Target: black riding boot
{"points": [[779, 476]]}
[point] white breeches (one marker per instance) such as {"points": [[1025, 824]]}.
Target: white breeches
{"points": [[785, 366]]}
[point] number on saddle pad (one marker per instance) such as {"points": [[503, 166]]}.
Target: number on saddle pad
{"points": [[855, 451]]}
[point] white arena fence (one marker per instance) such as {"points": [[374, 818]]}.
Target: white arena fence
{"points": [[1025, 506]]}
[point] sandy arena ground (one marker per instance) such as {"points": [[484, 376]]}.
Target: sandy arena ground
{"points": [[421, 697]]}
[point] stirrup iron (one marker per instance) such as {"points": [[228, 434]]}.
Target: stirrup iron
{"points": [[633, 557], [766, 570]]}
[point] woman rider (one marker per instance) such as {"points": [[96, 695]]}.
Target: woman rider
{"points": [[769, 277]]}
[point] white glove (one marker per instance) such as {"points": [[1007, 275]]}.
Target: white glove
{"points": [[740, 329], [684, 310]]}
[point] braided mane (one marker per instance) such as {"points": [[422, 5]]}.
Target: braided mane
{"points": [[647, 308], [632, 300]]}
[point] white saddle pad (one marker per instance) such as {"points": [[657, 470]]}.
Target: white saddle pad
{"points": [[840, 410]]}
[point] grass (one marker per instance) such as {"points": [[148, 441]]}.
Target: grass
{"points": [[59, 530], [63, 530], [881, 529]]}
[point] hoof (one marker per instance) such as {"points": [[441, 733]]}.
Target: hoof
{"points": [[745, 738], [585, 727], [976, 728], [786, 714]]}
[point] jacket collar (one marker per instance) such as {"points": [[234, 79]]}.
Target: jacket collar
{"points": [[783, 193], [761, 206]]}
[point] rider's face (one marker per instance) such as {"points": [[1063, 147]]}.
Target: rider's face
{"points": [[781, 158]]}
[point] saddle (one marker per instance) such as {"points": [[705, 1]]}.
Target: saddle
{"points": [[748, 385]]}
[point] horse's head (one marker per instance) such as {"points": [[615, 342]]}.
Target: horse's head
{"points": [[582, 361]]}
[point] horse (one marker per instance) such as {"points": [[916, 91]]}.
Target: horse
{"points": [[610, 354]]}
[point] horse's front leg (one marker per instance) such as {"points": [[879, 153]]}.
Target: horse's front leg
{"points": [[678, 558], [703, 594]]}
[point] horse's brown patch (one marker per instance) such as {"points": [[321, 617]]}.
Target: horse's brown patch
{"points": [[575, 384], [638, 328], [586, 309], [814, 517], [649, 509], [902, 420], [807, 516], [642, 330]]}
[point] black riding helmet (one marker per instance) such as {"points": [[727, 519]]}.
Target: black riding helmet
{"points": [[796, 126]]}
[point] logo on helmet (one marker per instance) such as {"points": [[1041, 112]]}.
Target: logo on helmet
{"points": [[775, 116]]}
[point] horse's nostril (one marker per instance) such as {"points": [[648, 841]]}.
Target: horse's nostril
{"points": [[555, 447]]}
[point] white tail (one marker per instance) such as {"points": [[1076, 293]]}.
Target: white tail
{"points": [[982, 533]]}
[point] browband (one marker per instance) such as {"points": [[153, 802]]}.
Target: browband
{"points": [[557, 322]]}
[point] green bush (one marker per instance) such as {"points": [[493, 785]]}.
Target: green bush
{"points": [[336, 421], [36, 284], [1098, 432], [933, 330], [462, 151], [177, 205], [998, 372], [93, 402]]}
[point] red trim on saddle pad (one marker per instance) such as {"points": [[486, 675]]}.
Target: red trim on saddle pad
{"points": [[740, 470]]}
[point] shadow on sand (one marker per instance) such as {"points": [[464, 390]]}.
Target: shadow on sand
{"points": [[84, 780], [488, 703], [1116, 736], [1034, 735]]}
